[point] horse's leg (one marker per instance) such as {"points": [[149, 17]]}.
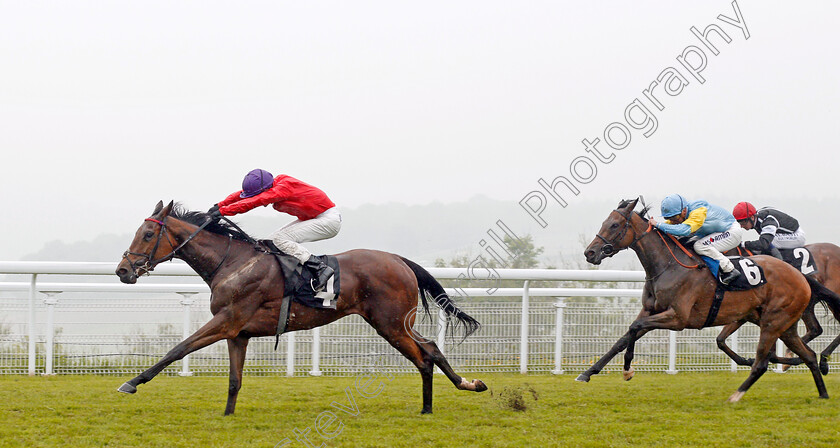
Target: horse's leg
{"points": [[216, 329], [766, 342], [809, 318], [431, 349], [667, 319], [410, 348], [236, 350], [629, 372], [619, 345], [721, 343], [832, 301], [795, 343], [826, 353]]}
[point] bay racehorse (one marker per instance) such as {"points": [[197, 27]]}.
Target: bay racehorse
{"points": [[676, 297], [825, 288], [247, 289]]}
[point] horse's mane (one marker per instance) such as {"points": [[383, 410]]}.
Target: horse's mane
{"points": [[198, 218]]}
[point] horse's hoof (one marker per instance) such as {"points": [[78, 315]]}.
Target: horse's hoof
{"points": [[582, 378], [824, 396], [750, 361], [127, 389], [628, 374], [736, 396], [824, 365], [426, 411], [479, 386]]}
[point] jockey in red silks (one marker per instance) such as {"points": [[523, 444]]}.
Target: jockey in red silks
{"points": [[775, 229], [317, 216]]}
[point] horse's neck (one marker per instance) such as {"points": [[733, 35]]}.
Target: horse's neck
{"points": [[654, 255], [205, 253]]}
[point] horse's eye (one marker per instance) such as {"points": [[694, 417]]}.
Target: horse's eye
{"points": [[149, 235], [614, 226]]}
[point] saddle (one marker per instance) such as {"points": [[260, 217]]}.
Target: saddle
{"points": [[752, 275], [298, 284]]}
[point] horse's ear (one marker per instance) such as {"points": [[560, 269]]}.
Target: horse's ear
{"points": [[628, 204], [158, 208], [166, 210]]}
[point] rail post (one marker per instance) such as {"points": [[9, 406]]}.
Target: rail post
{"points": [[733, 366], [780, 352], [290, 354], [316, 352], [31, 324], [50, 301], [186, 302], [441, 334], [523, 338], [672, 353], [560, 304]]}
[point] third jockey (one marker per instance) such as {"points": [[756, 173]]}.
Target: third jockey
{"points": [[716, 229]]}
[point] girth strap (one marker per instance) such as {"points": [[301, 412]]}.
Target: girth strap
{"points": [[284, 319], [713, 311]]}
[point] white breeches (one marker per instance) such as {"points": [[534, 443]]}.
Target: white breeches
{"points": [[326, 225], [714, 244], [789, 240]]}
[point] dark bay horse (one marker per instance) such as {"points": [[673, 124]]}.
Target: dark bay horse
{"points": [[247, 289], [675, 297], [825, 288]]}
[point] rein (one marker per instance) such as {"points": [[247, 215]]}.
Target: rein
{"points": [[685, 251], [149, 265]]}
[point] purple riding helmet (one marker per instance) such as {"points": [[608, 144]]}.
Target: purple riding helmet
{"points": [[255, 182]]}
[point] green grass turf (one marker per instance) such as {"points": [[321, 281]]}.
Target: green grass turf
{"points": [[654, 409]]}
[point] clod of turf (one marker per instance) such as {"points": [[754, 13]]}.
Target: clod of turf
{"points": [[513, 398]]}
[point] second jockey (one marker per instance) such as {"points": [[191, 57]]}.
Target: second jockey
{"points": [[775, 228]]}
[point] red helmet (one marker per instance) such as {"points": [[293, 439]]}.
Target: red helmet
{"points": [[743, 210]]}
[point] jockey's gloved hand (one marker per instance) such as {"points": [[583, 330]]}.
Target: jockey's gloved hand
{"points": [[214, 213]]}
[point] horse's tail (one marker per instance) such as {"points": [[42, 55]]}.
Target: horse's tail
{"points": [[820, 294], [429, 287]]}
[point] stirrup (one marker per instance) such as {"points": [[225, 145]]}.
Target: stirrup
{"points": [[729, 277], [312, 285]]}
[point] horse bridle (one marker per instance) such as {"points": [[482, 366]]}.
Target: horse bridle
{"points": [[608, 248], [149, 265]]}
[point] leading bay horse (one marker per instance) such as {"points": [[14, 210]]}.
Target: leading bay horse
{"points": [[247, 290], [825, 288], [676, 298]]}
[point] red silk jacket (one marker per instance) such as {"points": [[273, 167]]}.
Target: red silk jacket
{"points": [[288, 195]]}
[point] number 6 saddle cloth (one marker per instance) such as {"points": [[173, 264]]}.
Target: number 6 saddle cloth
{"points": [[752, 275]]}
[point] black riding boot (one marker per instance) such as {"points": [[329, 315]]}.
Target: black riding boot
{"points": [[320, 272], [727, 277]]}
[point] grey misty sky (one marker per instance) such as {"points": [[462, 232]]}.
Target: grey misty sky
{"points": [[108, 107]]}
